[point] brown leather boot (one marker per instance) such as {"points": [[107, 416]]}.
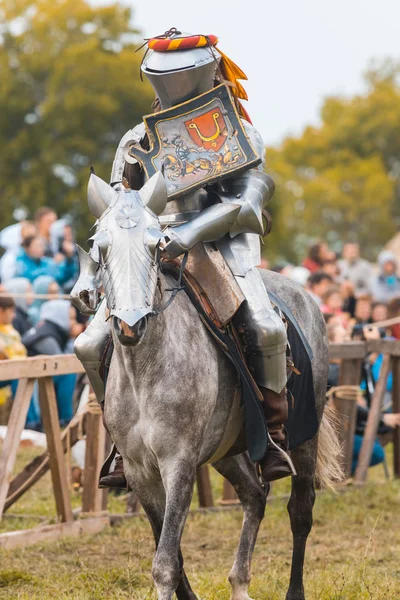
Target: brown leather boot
{"points": [[115, 479], [274, 465]]}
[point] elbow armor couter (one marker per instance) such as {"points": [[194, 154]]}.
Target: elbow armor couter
{"points": [[209, 226]]}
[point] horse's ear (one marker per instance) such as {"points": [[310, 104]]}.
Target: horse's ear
{"points": [[154, 194], [100, 195]]}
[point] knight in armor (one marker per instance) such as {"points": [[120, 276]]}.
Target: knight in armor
{"points": [[181, 67]]}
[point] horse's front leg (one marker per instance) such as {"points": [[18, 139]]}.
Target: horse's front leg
{"points": [[151, 494], [178, 477], [241, 473]]}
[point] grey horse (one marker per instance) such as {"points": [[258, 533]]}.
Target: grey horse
{"points": [[170, 398]]}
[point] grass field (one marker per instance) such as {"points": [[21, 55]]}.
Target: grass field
{"points": [[353, 551]]}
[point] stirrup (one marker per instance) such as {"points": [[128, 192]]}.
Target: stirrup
{"points": [[284, 454]]}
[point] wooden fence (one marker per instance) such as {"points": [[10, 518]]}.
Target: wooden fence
{"points": [[351, 356], [94, 501], [27, 372]]}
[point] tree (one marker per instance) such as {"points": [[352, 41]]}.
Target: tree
{"points": [[341, 180], [70, 90]]}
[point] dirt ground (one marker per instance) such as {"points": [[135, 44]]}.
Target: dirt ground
{"points": [[353, 551]]}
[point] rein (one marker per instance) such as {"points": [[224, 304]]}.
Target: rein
{"points": [[174, 290]]}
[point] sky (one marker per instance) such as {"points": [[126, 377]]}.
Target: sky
{"points": [[294, 52]]}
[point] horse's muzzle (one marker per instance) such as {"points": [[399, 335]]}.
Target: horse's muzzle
{"points": [[129, 335]]}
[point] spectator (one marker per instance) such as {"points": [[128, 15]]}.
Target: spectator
{"points": [[10, 342], [331, 267], [317, 285], [379, 312], [363, 310], [51, 336], [332, 301], [386, 285], [11, 239], [355, 269], [298, 274], [317, 254], [347, 290], [32, 263], [23, 288], [43, 285], [44, 219], [336, 333]]}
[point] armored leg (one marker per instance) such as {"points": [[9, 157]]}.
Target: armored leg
{"points": [[265, 341], [263, 332], [89, 348]]}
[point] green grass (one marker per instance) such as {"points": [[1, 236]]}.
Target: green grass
{"points": [[353, 551]]}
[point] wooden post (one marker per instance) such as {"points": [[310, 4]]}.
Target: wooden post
{"points": [[345, 402], [39, 466], [396, 409], [51, 426], [204, 487], [229, 495], [92, 497], [350, 371], [372, 425], [11, 443]]}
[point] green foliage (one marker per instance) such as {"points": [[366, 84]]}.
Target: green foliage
{"points": [[341, 180], [70, 90]]}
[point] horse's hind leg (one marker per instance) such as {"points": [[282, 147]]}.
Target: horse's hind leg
{"points": [[300, 509], [153, 502], [240, 472]]}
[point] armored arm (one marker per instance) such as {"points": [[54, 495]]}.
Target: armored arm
{"points": [[252, 190], [209, 226]]}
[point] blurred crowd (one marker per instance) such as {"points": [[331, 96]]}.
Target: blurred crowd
{"points": [[359, 301], [38, 267], [351, 292]]}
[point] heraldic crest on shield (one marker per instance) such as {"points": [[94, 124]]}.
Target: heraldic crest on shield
{"points": [[195, 143]]}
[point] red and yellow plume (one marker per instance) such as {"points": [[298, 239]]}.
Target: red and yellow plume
{"points": [[166, 44]]}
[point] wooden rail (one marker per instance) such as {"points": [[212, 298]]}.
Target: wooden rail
{"points": [[27, 371], [43, 368]]}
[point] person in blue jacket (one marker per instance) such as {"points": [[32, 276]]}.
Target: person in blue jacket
{"points": [[49, 337], [43, 285], [32, 263]]}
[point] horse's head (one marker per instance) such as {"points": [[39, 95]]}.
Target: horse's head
{"points": [[127, 235]]}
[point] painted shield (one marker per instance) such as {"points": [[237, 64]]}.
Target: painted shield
{"points": [[195, 143], [209, 130]]}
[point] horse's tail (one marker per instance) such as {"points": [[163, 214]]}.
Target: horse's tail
{"points": [[329, 469]]}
